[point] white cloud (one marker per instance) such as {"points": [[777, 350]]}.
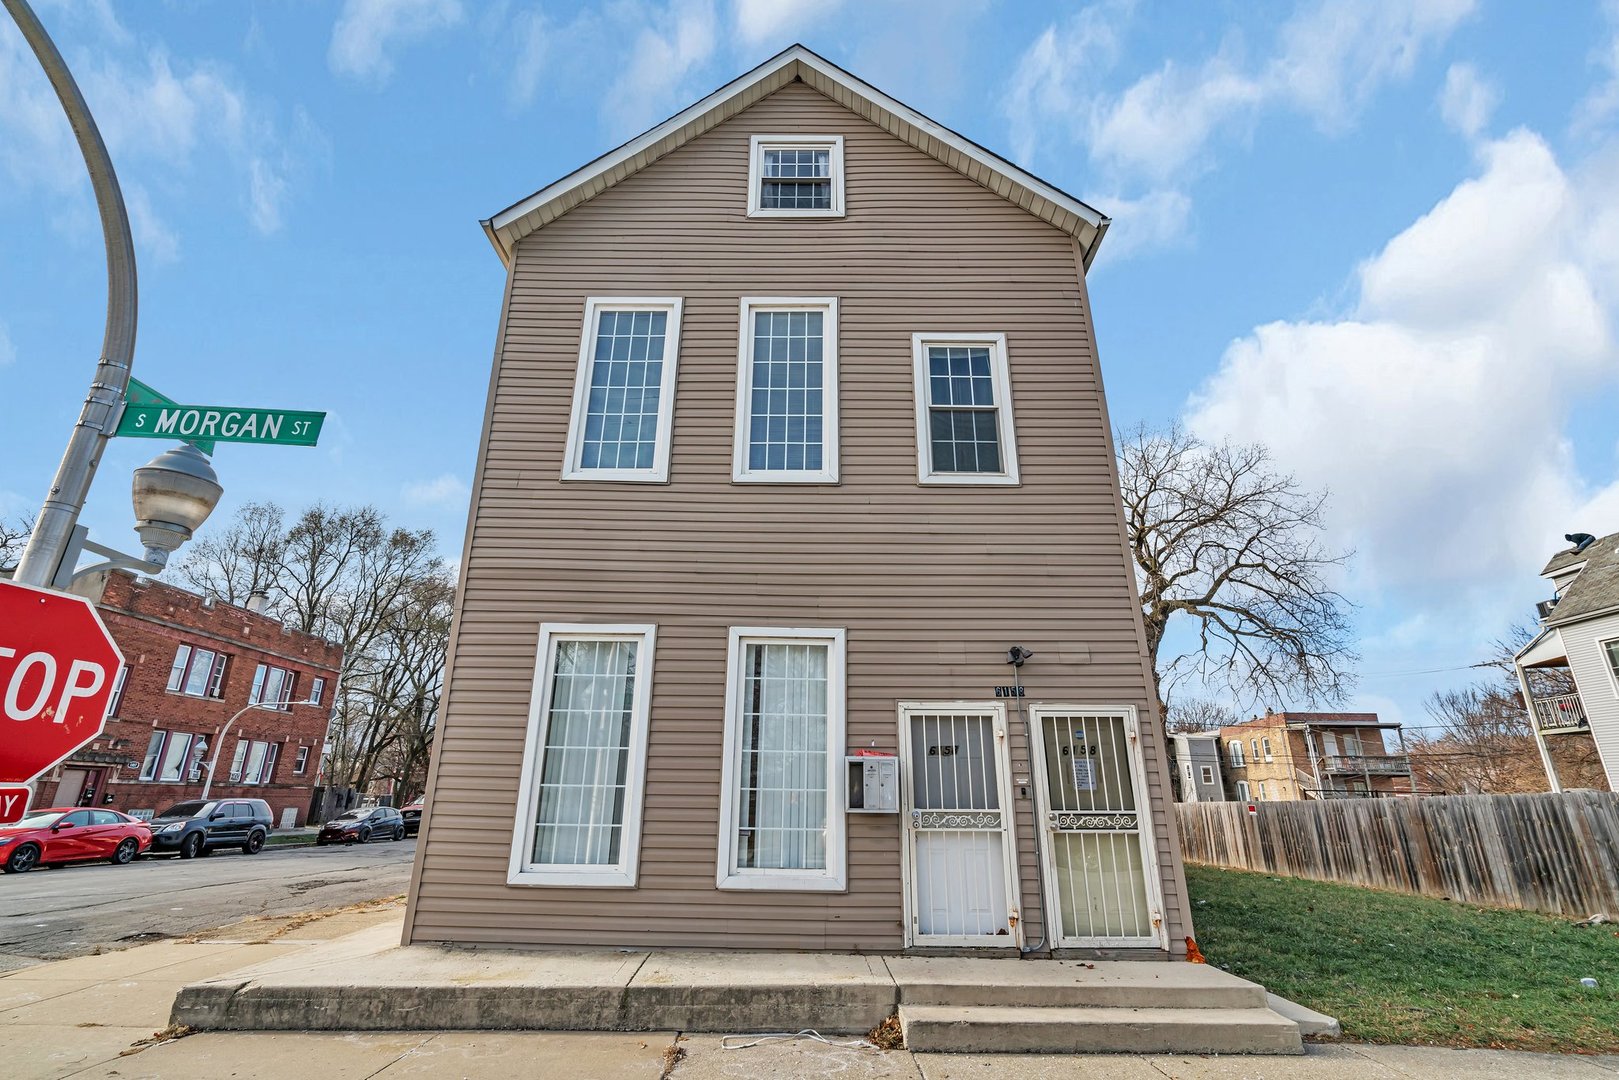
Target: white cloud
{"points": [[8, 348], [1468, 101], [154, 239], [674, 42], [368, 30], [1603, 100], [1435, 412], [1155, 220], [766, 21], [445, 490], [1326, 62], [530, 33]]}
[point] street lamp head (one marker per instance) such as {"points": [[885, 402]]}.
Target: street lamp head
{"points": [[173, 495]]}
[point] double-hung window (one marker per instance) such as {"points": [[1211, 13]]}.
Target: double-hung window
{"points": [[964, 431], [787, 391], [623, 395], [781, 808], [1237, 760], [584, 761], [197, 672], [795, 176], [1242, 791], [301, 762], [273, 686], [1208, 774], [1610, 653]]}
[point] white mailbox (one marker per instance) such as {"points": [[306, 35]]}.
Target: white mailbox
{"points": [[873, 784]]}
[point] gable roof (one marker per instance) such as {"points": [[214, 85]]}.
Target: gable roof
{"points": [[1596, 590], [1047, 202]]}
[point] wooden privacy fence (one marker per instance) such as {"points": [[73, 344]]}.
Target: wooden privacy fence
{"points": [[1552, 853]]}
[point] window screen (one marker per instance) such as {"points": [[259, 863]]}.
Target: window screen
{"points": [[797, 180], [782, 782], [786, 410], [584, 770], [626, 374], [963, 424]]}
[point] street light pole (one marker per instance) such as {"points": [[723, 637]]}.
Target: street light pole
{"points": [[219, 743], [60, 512]]}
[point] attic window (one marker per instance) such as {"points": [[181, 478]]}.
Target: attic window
{"points": [[795, 176]]}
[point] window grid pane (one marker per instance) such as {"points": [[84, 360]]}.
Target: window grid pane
{"points": [[786, 411], [626, 380], [963, 420], [797, 180], [782, 796], [580, 821]]}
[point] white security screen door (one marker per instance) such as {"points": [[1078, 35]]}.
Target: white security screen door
{"points": [[1095, 838], [959, 856]]}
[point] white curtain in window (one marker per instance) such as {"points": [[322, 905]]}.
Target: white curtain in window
{"points": [[782, 797], [580, 821], [174, 757], [255, 762], [154, 753]]}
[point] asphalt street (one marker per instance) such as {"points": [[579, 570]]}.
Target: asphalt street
{"points": [[77, 910]]}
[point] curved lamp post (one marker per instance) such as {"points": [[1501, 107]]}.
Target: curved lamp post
{"points": [[53, 531], [219, 745]]}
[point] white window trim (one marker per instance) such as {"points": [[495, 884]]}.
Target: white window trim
{"points": [[757, 146], [1602, 658], [623, 874], [1001, 369], [828, 473], [1242, 791], [594, 306], [1239, 757], [835, 878], [1207, 773]]}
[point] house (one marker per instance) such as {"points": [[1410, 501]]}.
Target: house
{"points": [[1285, 756], [1194, 766], [1569, 671], [191, 664], [795, 610]]}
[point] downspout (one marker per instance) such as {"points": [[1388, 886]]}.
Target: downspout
{"points": [[1016, 658]]}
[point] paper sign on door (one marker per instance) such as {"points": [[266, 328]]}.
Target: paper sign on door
{"points": [[1084, 774]]}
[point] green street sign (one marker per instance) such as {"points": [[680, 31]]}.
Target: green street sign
{"points": [[189, 423]]}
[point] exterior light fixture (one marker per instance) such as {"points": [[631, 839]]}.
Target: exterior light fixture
{"points": [[173, 495]]}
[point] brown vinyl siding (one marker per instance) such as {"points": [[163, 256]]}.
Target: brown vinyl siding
{"points": [[932, 583]]}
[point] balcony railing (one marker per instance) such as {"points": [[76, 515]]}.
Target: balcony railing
{"points": [[1368, 764], [1561, 713]]}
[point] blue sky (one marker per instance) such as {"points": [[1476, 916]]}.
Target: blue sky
{"points": [[1379, 236]]}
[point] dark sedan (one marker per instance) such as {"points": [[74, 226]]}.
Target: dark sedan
{"points": [[362, 827], [413, 818]]}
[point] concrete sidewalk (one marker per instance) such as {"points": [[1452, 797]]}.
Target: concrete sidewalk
{"points": [[94, 1017]]}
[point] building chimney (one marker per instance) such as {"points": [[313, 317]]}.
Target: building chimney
{"points": [[258, 601]]}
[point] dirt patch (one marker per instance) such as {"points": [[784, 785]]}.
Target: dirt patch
{"points": [[887, 1035], [258, 929]]}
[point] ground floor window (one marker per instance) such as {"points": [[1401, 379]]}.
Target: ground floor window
{"points": [[584, 759], [781, 813]]}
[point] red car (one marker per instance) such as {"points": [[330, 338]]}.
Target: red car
{"points": [[67, 834]]}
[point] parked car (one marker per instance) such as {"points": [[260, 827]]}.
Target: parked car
{"points": [[67, 834], [362, 826], [413, 817], [195, 827]]}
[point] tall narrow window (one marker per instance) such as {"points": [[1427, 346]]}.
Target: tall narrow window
{"points": [[781, 815], [623, 395], [154, 755], [964, 431], [787, 391], [317, 690], [174, 756], [795, 176], [584, 761], [118, 691]]}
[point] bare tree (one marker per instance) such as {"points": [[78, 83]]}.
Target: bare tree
{"points": [[14, 536], [1197, 714], [243, 559], [1225, 542]]}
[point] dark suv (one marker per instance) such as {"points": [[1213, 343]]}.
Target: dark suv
{"points": [[191, 828]]}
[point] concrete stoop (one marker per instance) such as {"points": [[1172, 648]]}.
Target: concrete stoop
{"points": [[366, 982]]}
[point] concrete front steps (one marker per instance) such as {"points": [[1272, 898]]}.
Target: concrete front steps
{"points": [[967, 1006]]}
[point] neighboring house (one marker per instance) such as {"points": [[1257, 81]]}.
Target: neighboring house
{"points": [[795, 429], [190, 664], [1569, 672], [1284, 756], [1194, 766]]}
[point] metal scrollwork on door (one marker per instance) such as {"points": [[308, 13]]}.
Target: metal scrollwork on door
{"points": [[955, 819], [1069, 821]]}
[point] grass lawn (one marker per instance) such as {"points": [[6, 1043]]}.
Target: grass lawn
{"points": [[1406, 969]]}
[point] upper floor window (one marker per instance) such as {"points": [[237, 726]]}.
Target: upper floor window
{"points": [[1610, 653], [787, 391], [302, 761], [1237, 761], [963, 410], [317, 690], [117, 701], [796, 176], [197, 672], [623, 397], [273, 686], [1208, 774], [1266, 744]]}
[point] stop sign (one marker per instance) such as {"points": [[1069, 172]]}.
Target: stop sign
{"points": [[58, 665]]}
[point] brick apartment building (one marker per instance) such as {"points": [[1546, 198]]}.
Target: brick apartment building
{"points": [[1285, 756], [190, 665]]}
